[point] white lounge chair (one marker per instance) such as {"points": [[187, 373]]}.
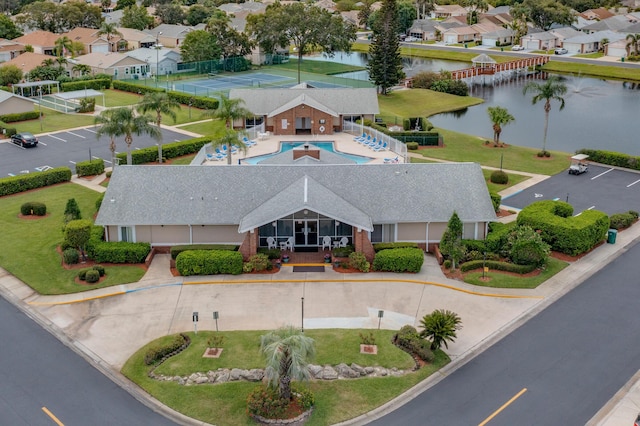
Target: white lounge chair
{"points": [[326, 242], [344, 241], [289, 245], [271, 243]]}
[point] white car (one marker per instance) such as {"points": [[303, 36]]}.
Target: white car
{"points": [[411, 39], [561, 51], [517, 47]]}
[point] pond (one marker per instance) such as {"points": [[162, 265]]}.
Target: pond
{"points": [[598, 113]]}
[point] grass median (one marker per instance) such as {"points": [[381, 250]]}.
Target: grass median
{"points": [[499, 279], [28, 245], [336, 401]]}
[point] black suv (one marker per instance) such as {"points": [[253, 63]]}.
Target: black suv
{"points": [[24, 139]]}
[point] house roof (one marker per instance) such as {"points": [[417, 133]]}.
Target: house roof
{"points": [[251, 195], [426, 25], [565, 32], [461, 30], [106, 60], [4, 95], [38, 38], [303, 99], [28, 61], [131, 34], [149, 55], [89, 36], [170, 30], [615, 23], [503, 32], [595, 37], [483, 59], [547, 35], [343, 100], [450, 9]]}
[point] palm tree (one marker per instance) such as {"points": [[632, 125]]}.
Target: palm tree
{"points": [[633, 41], [229, 139], [288, 352], [499, 117], [160, 103], [62, 44], [229, 110], [440, 326], [109, 29], [108, 127], [552, 89], [123, 122], [81, 69]]}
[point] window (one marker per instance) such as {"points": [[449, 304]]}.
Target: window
{"points": [[127, 234]]}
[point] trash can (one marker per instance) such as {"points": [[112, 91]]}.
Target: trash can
{"points": [[622, 59], [465, 45], [611, 237], [502, 49]]}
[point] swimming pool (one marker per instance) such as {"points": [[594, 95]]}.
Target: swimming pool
{"points": [[288, 146]]}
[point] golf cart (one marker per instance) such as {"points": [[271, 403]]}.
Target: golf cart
{"points": [[578, 164]]}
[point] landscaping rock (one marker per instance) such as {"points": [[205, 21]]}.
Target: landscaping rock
{"points": [[328, 373]]}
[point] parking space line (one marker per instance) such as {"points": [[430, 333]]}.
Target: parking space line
{"points": [[603, 173], [89, 130], [55, 137], [72, 162], [75, 134], [633, 183], [42, 143]]}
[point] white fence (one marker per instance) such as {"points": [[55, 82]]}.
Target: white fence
{"points": [[394, 145]]}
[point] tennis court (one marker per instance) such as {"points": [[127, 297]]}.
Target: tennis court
{"points": [[216, 84]]}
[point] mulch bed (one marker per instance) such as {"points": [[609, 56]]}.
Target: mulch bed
{"points": [[31, 216], [90, 263]]}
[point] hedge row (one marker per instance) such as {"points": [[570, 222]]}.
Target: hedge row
{"points": [[498, 266], [565, 233], [384, 246], [115, 252], [196, 101], [170, 150], [96, 84], [15, 184], [19, 116], [156, 353], [623, 220], [9, 131], [399, 260], [90, 168], [176, 250], [209, 262], [33, 208], [408, 339], [612, 158]]}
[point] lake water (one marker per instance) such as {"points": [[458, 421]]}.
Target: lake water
{"points": [[598, 113]]}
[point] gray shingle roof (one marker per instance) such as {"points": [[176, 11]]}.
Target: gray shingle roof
{"points": [[343, 100], [231, 195]]}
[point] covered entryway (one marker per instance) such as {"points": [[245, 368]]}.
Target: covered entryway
{"points": [[306, 232], [303, 125]]}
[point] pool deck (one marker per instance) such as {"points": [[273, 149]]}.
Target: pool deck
{"points": [[343, 142]]}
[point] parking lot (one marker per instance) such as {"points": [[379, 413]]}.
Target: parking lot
{"points": [[601, 188], [66, 148]]}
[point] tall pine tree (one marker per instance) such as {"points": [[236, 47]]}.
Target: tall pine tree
{"points": [[385, 63]]}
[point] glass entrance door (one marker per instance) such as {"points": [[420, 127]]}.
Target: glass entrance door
{"points": [[306, 232]]}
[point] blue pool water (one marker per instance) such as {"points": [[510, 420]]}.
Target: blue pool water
{"points": [[288, 146]]}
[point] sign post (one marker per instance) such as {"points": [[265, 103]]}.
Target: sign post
{"points": [[194, 317], [380, 315], [215, 317]]}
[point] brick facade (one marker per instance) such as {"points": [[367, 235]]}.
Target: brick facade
{"points": [[249, 246], [362, 244], [312, 117]]}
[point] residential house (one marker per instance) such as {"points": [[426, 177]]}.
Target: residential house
{"points": [[135, 39], [617, 49], [307, 110], [596, 14], [501, 37], [9, 49], [500, 19], [166, 206], [161, 61], [615, 23], [588, 43], [424, 29], [448, 10], [564, 33], [28, 61], [170, 35], [11, 103], [43, 42], [92, 41], [116, 64], [457, 35], [540, 41]]}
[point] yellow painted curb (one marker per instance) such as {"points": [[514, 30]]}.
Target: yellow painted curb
{"points": [[118, 293]]}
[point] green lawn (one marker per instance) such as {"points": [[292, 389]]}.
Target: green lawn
{"points": [[28, 246], [421, 103], [461, 56], [594, 55], [501, 280], [53, 121], [336, 401], [318, 67], [115, 98], [215, 128], [604, 71]]}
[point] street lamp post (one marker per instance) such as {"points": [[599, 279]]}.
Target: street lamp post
{"points": [[158, 47]]}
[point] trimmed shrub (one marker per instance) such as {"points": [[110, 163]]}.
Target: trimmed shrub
{"points": [[527, 248], [184, 98], [571, 235], [266, 402], [272, 254], [399, 260], [474, 245], [77, 232], [99, 201], [170, 150], [118, 252], [33, 208], [400, 244], [100, 269], [496, 200], [90, 168], [447, 263], [92, 276], [497, 236], [72, 210], [20, 116], [109, 173], [15, 184], [87, 105], [259, 262], [9, 131], [96, 84], [156, 353], [410, 341], [343, 251], [622, 220], [82, 274], [499, 177], [176, 250], [497, 265], [70, 256], [358, 260], [412, 146], [209, 262]]}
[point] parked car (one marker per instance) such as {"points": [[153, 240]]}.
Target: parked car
{"points": [[561, 51], [411, 38], [24, 139], [517, 47]]}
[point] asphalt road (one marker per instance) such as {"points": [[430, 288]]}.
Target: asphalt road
{"points": [[566, 362], [601, 188], [38, 372], [65, 148]]}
